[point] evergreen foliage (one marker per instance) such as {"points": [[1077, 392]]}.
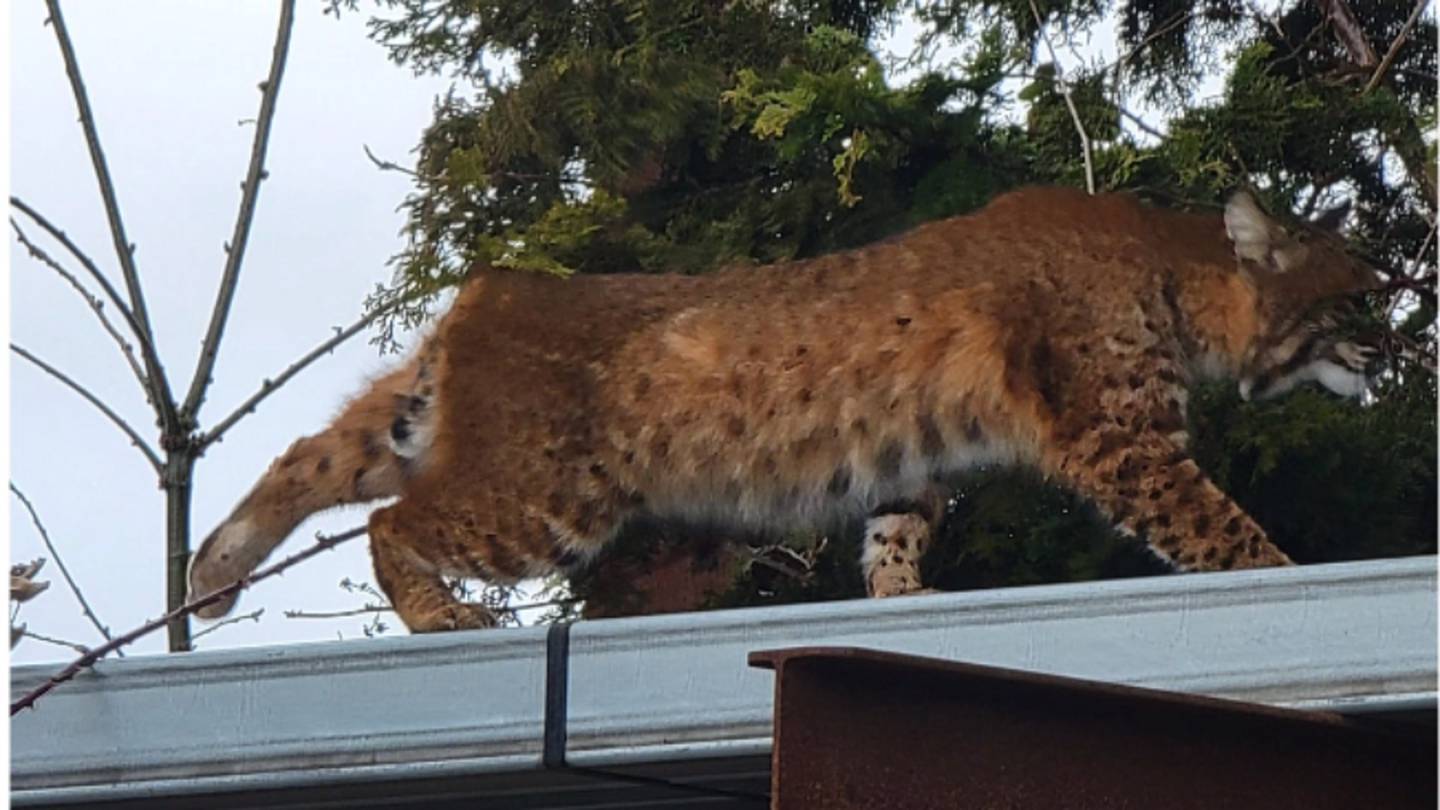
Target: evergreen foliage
{"points": [[683, 135]]}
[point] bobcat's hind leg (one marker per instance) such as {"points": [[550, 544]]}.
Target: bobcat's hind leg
{"points": [[896, 538], [412, 579]]}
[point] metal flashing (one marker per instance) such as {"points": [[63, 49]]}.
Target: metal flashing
{"points": [[672, 694]]}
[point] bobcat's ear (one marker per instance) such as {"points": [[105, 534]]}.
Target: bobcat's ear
{"points": [[1256, 237]]}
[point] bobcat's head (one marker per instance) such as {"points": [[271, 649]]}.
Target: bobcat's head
{"points": [[1311, 299], [1334, 344]]}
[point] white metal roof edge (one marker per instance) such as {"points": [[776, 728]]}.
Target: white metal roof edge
{"points": [[1351, 637]]}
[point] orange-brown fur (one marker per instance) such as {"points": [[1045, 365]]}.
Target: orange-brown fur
{"points": [[1050, 328]]}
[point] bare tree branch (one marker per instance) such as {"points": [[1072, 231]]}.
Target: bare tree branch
{"points": [[338, 614], [252, 616], [85, 261], [322, 543], [1140, 123], [235, 248], [1069, 101], [1394, 50], [22, 632], [59, 563], [1175, 21], [1348, 31], [94, 400], [96, 305], [124, 250], [270, 386]]}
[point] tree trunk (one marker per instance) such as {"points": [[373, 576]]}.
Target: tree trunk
{"points": [[179, 475]]}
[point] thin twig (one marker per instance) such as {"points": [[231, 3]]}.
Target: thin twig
{"points": [[124, 250], [94, 400], [1175, 21], [96, 305], [1394, 50], [269, 386], [251, 616], [1069, 102], [59, 563], [59, 642], [85, 261], [338, 614], [386, 165], [1137, 121], [322, 543], [235, 248]]}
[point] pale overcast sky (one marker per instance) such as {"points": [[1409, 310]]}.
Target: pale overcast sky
{"points": [[169, 81]]}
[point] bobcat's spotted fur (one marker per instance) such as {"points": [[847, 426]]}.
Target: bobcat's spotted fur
{"points": [[1050, 328]]}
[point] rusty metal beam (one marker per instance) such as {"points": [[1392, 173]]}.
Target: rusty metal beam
{"points": [[864, 729]]}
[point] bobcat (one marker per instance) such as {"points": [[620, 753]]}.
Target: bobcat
{"points": [[1050, 328]]}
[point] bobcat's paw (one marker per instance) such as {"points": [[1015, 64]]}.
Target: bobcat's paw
{"points": [[459, 616]]}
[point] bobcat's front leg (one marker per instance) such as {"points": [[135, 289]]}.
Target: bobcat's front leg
{"points": [[1147, 484]]}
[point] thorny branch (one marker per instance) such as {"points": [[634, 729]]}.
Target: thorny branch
{"points": [[95, 303], [372, 608], [89, 659], [124, 426], [1069, 101], [235, 248], [124, 250], [59, 563]]}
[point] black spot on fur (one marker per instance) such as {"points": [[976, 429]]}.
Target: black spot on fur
{"points": [[323, 466], [1202, 526], [369, 447], [839, 482], [931, 442], [1232, 526], [887, 463], [902, 322]]}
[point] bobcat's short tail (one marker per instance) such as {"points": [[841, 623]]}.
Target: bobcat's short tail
{"points": [[354, 460]]}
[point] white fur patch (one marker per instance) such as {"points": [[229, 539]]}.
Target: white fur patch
{"points": [[1341, 380]]}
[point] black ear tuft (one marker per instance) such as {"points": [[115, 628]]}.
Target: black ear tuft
{"points": [[1331, 219]]}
